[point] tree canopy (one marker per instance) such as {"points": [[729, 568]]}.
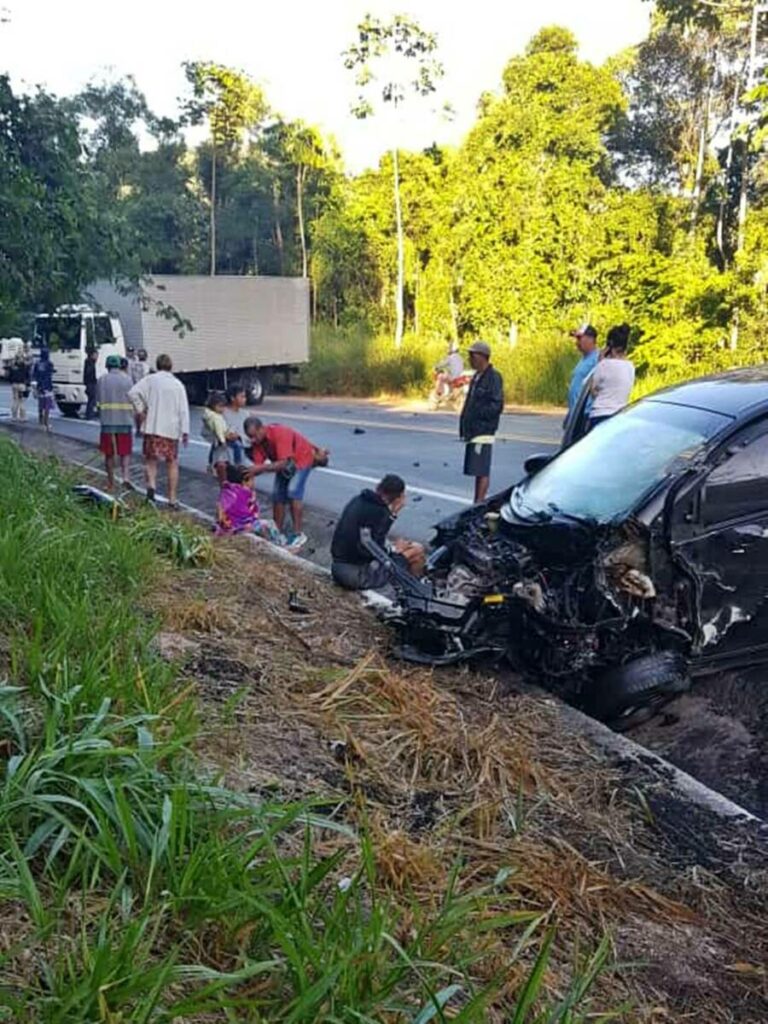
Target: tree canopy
{"points": [[635, 191]]}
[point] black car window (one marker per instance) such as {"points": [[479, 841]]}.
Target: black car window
{"points": [[605, 474], [738, 486]]}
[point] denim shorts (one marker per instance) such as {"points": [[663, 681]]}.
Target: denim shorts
{"points": [[290, 490]]}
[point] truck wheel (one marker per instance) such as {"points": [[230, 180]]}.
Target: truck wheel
{"points": [[255, 390], [629, 694], [257, 385], [69, 409]]}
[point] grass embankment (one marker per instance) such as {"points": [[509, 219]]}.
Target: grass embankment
{"points": [[278, 825], [352, 362], [536, 371], [138, 888]]}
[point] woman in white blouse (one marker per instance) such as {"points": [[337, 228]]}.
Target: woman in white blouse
{"points": [[613, 377]]}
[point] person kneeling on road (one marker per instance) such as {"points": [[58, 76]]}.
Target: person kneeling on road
{"points": [[291, 457], [353, 567]]}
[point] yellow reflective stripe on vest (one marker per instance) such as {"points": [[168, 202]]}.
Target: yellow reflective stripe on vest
{"points": [[123, 406]]}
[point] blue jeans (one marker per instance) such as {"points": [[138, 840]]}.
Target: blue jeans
{"points": [[290, 490], [236, 452]]}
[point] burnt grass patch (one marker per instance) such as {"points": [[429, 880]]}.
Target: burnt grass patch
{"points": [[457, 767]]}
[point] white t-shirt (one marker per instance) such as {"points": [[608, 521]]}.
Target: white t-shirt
{"points": [[612, 384]]}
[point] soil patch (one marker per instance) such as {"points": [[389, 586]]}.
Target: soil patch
{"points": [[451, 768]]}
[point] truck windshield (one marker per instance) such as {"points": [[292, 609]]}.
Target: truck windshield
{"points": [[62, 333], [605, 474], [58, 333]]}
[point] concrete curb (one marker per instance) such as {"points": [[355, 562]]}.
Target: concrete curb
{"points": [[627, 750]]}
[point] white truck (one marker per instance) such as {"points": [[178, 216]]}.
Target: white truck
{"points": [[245, 330]]}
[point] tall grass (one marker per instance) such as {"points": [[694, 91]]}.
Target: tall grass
{"points": [[352, 361], [135, 888]]}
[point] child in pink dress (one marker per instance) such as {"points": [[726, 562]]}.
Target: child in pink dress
{"points": [[238, 510]]}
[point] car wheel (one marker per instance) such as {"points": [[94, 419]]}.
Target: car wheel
{"points": [[69, 409], [629, 694]]}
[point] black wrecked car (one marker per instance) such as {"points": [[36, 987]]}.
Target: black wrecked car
{"points": [[617, 570]]}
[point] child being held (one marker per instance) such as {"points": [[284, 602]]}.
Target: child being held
{"points": [[238, 511], [215, 430]]}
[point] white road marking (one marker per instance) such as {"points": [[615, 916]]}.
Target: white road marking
{"points": [[353, 421], [423, 491], [442, 495]]}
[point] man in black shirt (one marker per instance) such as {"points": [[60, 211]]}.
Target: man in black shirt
{"points": [[89, 379], [353, 567], [480, 417]]}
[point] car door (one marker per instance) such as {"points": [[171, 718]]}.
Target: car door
{"points": [[720, 538]]}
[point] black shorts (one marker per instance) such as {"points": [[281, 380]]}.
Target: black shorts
{"points": [[477, 459], [368, 576]]}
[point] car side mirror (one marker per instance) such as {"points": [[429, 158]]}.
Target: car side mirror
{"points": [[534, 463]]}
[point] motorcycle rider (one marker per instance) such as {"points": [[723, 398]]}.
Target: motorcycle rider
{"points": [[449, 370]]}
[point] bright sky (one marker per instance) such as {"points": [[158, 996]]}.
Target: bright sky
{"points": [[292, 47]]}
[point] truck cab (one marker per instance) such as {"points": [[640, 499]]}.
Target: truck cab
{"points": [[69, 334]]}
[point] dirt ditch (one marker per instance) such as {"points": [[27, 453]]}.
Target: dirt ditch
{"points": [[451, 768]]}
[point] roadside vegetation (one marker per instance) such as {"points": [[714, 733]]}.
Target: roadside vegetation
{"points": [[630, 191], [353, 361], [135, 886], [212, 810]]}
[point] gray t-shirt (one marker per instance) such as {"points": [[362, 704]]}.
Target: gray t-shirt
{"points": [[234, 419]]}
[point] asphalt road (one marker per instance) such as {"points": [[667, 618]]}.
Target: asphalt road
{"points": [[367, 440]]}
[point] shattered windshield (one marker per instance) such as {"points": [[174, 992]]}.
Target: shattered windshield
{"points": [[604, 475]]}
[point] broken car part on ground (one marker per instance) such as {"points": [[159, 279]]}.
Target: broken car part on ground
{"points": [[634, 559]]}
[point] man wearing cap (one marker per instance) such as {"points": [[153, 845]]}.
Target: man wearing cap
{"points": [[586, 343], [480, 417], [116, 415]]}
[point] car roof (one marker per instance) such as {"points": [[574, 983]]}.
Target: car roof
{"points": [[735, 393]]}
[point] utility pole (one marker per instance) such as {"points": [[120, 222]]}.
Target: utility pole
{"points": [[759, 7]]}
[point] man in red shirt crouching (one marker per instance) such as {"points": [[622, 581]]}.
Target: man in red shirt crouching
{"points": [[291, 457]]}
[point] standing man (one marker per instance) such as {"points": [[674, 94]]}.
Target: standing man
{"points": [[291, 457], [116, 415], [161, 401], [480, 417], [586, 343], [18, 375], [89, 379]]}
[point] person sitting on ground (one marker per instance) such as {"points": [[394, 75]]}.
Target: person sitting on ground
{"points": [[236, 400], [353, 567], [237, 510], [215, 431], [613, 378], [18, 375], [116, 414], [291, 457], [42, 375]]}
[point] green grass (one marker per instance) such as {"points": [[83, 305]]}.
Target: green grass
{"points": [[137, 889], [351, 361]]}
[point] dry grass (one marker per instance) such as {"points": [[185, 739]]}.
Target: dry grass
{"points": [[446, 769]]}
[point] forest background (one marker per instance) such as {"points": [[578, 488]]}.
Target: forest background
{"points": [[632, 191]]}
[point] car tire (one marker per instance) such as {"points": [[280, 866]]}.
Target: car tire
{"points": [[69, 409], [627, 695]]}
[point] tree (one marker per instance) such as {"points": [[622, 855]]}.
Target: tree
{"points": [[232, 104], [57, 233], [531, 191], [405, 57]]}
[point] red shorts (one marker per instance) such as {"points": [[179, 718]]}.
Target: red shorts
{"points": [[115, 444], [160, 449]]}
